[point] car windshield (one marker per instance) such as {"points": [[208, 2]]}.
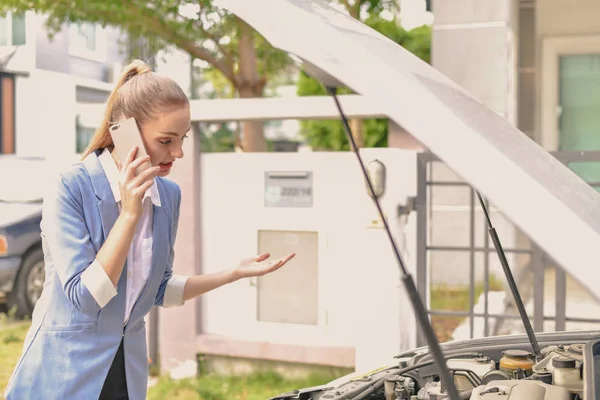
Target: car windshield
{"points": [[21, 180]]}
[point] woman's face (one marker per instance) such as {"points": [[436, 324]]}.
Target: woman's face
{"points": [[164, 136]]}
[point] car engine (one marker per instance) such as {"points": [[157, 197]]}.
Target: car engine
{"points": [[559, 373], [558, 376]]}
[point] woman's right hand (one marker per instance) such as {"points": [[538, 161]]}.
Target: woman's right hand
{"points": [[133, 187]]}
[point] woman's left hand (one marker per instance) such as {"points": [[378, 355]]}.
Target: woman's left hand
{"points": [[259, 266]]}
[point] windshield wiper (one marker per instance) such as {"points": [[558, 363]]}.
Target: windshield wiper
{"points": [[511, 282], [409, 285]]}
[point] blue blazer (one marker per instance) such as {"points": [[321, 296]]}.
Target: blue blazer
{"points": [[72, 341]]}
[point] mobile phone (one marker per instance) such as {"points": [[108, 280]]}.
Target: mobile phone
{"points": [[126, 134]]}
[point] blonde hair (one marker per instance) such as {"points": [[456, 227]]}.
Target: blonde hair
{"points": [[140, 93]]}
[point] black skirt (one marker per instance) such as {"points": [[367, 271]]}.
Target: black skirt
{"points": [[115, 385]]}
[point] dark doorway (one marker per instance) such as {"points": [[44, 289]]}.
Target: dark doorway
{"points": [[7, 114]]}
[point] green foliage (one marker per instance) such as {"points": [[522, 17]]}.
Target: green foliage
{"points": [[12, 335], [197, 27], [456, 298], [222, 88], [375, 7], [222, 140], [330, 135], [418, 42]]}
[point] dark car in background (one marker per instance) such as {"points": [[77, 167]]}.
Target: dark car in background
{"points": [[22, 183]]}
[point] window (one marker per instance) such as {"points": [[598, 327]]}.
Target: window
{"points": [[570, 78], [579, 109], [83, 135], [12, 30], [84, 37], [570, 102], [87, 41]]}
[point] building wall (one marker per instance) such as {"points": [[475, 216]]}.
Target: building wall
{"points": [[563, 17], [53, 54], [538, 22], [474, 43], [556, 19], [45, 120], [476, 48], [528, 73], [55, 79], [363, 316]]}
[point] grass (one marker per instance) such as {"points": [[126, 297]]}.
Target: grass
{"points": [[455, 298], [12, 335], [256, 386]]}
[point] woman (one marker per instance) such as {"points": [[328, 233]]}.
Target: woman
{"points": [[108, 239]]}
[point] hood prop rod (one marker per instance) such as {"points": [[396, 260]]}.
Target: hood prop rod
{"points": [[511, 282], [419, 309]]}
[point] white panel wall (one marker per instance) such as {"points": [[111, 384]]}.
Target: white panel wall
{"points": [[45, 114], [361, 302]]}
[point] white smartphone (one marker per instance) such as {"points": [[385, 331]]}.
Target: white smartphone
{"points": [[126, 134]]}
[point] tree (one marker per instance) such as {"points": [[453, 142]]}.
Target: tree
{"points": [[221, 140], [330, 135], [234, 52]]}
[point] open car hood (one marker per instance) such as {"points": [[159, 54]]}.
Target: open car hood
{"points": [[546, 200]]}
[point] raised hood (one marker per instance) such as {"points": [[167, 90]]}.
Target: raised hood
{"points": [[546, 200]]}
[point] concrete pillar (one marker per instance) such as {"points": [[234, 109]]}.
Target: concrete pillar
{"points": [[474, 43], [178, 326]]}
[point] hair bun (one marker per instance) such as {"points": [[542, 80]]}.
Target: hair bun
{"points": [[134, 68], [142, 68]]}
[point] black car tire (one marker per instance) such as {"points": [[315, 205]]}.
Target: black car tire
{"points": [[18, 297]]}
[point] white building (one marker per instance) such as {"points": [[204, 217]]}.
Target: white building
{"points": [[42, 80]]}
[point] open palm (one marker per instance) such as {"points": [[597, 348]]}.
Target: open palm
{"points": [[260, 265]]}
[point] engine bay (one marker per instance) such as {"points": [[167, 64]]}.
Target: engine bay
{"points": [[563, 372], [559, 375]]}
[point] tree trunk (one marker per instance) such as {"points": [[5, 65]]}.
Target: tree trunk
{"points": [[357, 126], [249, 84], [253, 136]]}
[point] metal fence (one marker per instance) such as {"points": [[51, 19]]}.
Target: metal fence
{"points": [[537, 264]]}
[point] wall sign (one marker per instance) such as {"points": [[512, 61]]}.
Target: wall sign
{"points": [[289, 189]]}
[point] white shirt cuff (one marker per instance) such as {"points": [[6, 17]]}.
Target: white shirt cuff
{"points": [[174, 291], [98, 283]]}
